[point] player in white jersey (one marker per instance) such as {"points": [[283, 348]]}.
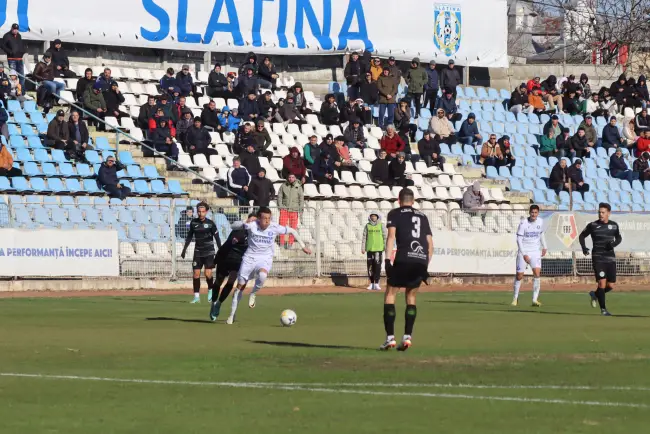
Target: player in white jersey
{"points": [[531, 246], [258, 259]]}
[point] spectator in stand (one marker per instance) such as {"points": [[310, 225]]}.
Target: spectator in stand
{"points": [[84, 83], [261, 190], [548, 147], [227, 119], [289, 113], [343, 160], [210, 116], [354, 135], [550, 92], [14, 47], [108, 181], [641, 166], [198, 140], [642, 144], [146, 112], [590, 132], [568, 84], [368, 91], [571, 103], [553, 124], [352, 74], [519, 100], [594, 108], [329, 110], [250, 63], [168, 107], [642, 122], [312, 152], [77, 138], [4, 117], [395, 72], [403, 124], [327, 146], [114, 99], [291, 201], [397, 171], [618, 90], [629, 132], [350, 111], [300, 99], [504, 145], [44, 72], [153, 122], [607, 102], [376, 69], [182, 104], [7, 168], [293, 164], [580, 145], [267, 74], [391, 142], [491, 152], [268, 109], [183, 126], [439, 125], [247, 83], [611, 135], [473, 198], [448, 103], [416, 78], [559, 179], [249, 160], [183, 225], [387, 86], [60, 60], [16, 90], [365, 112], [95, 104], [642, 89], [618, 167], [429, 150], [468, 133], [631, 97], [238, 180], [185, 82], [57, 132], [243, 137], [379, 173], [563, 144], [104, 79], [574, 174], [536, 102], [262, 140], [450, 78], [533, 83], [431, 87], [323, 170], [248, 108], [584, 86], [219, 86], [169, 83], [163, 139]]}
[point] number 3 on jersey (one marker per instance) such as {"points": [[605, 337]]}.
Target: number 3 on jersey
{"points": [[416, 225]]}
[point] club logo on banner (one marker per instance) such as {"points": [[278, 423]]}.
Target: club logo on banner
{"points": [[567, 230], [447, 28]]}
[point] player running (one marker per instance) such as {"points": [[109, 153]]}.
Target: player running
{"points": [[258, 259], [530, 241], [203, 230], [228, 261], [410, 229], [374, 244], [605, 236]]}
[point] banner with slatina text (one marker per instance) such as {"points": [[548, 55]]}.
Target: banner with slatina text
{"points": [[474, 253], [56, 252], [472, 32]]}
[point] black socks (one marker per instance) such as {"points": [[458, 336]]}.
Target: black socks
{"points": [[225, 292], [600, 295], [197, 285], [411, 313], [389, 319]]}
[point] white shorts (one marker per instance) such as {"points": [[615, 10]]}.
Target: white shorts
{"points": [[535, 262], [250, 266]]}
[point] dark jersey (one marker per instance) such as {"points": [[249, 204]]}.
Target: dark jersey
{"points": [[235, 246], [203, 233], [604, 237], [411, 230]]}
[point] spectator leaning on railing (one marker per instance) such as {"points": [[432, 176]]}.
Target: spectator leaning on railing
{"points": [[107, 179]]}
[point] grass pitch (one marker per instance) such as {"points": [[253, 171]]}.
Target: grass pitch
{"points": [[157, 365]]}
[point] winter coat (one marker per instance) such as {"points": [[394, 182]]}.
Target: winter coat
{"points": [[44, 71], [397, 170], [58, 130], [267, 108], [585, 86], [440, 126], [246, 65], [312, 154], [548, 144], [246, 84], [197, 137], [217, 81], [166, 82], [642, 145], [146, 112], [618, 90], [353, 135], [242, 140], [640, 166], [209, 118], [59, 57], [590, 132], [104, 82], [13, 46], [94, 100], [349, 113], [579, 143], [467, 129], [83, 131], [262, 139], [322, 166], [329, 113], [107, 175], [230, 122], [518, 98], [291, 196], [447, 104], [82, 84], [642, 88], [548, 125], [416, 78], [387, 85], [611, 135], [185, 82], [490, 151], [369, 92], [261, 191], [641, 123], [265, 72], [251, 162], [182, 127], [352, 72], [248, 108], [288, 112], [536, 101], [558, 175], [617, 165], [160, 135], [549, 84], [6, 159], [154, 123], [450, 78], [238, 177], [295, 166], [432, 80], [392, 145], [575, 174], [169, 110], [375, 71], [113, 101], [428, 147], [379, 172]]}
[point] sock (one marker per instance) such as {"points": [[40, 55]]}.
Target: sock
{"points": [[600, 295], [411, 313], [197, 286], [537, 283], [259, 282], [236, 297], [389, 319], [210, 282], [225, 292], [515, 288], [607, 289]]}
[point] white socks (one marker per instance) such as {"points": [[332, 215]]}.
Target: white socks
{"points": [[515, 288], [236, 298], [259, 282], [537, 283]]}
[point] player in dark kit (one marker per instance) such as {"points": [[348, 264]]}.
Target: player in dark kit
{"points": [[203, 231], [410, 229], [228, 261], [605, 235]]}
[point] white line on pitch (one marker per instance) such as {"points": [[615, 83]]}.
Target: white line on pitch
{"points": [[311, 388]]}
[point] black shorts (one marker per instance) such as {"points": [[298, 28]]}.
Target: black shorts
{"points": [[205, 261], [227, 265], [408, 275], [605, 270]]}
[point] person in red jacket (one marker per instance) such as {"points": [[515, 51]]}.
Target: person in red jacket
{"points": [[155, 121], [392, 143], [643, 143], [294, 164], [533, 83]]}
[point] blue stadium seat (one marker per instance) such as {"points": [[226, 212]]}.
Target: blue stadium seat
{"points": [[66, 170], [470, 93], [13, 130], [135, 233], [58, 216], [66, 201], [134, 172], [540, 184], [614, 184], [469, 150], [510, 129], [121, 234], [76, 216], [101, 202], [17, 142], [41, 156], [482, 94], [539, 198], [141, 187], [56, 185], [109, 216], [490, 173], [93, 157], [51, 202], [498, 128], [141, 217], [456, 149], [125, 216], [577, 197], [21, 185], [90, 186], [59, 156], [564, 197], [499, 117], [637, 207], [74, 186], [504, 172], [152, 232], [126, 158], [528, 184], [158, 218], [517, 172], [14, 106], [34, 142], [165, 232], [515, 184], [27, 130], [101, 144], [613, 197], [92, 217], [158, 187], [590, 197], [84, 170], [29, 105], [175, 187], [42, 216], [464, 105], [637, 197], [601, 153], [423, 124], [488, 107], [38, 185], [31, 169], [425, 113], [626, 197]]}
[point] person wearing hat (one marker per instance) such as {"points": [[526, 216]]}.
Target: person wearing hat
{"points": [[373, 241], [163, 139], [641, 166], [78, 138], [210, 116], [95, 104], [250, 160], [391, 142], [114, 99], [58, 133], [247, 83], [416, 78], [299, 98], [14, 47], [439, 125], [352, 74], [450, 77], [185, 81], [611, 136], [260, 189], [183, 225], [243, 137], [107, 179], [147, 111], [183, 126], [227, 121], [248, 107], [394, 70], [350, 110], [354, 134], [387, 86], [468, 133], [618, 167], [262, 140], [580, 145], [15, 89], [431, 87], [574, 174], [429, 150], [44, 72], [219, 86], [322, 171], [295, 165], [60, 60], [447, 102], [250, 63], [473, 199], [506, 152], [518, 102], [169, 108], [197, 140]]}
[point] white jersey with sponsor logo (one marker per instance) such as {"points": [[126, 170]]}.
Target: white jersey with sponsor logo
{"points": [[530, 237], [261, 243]]}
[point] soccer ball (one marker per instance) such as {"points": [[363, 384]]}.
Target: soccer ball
{"points": [[288, 318]]}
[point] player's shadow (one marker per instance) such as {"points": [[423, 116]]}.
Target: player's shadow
{"points": [[149, 300], [305, 345], [541, 312], [164, 318], [465, 302]]}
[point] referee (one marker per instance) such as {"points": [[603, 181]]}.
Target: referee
{"points": [[410, 229], [202, 230], [605, 236]]}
